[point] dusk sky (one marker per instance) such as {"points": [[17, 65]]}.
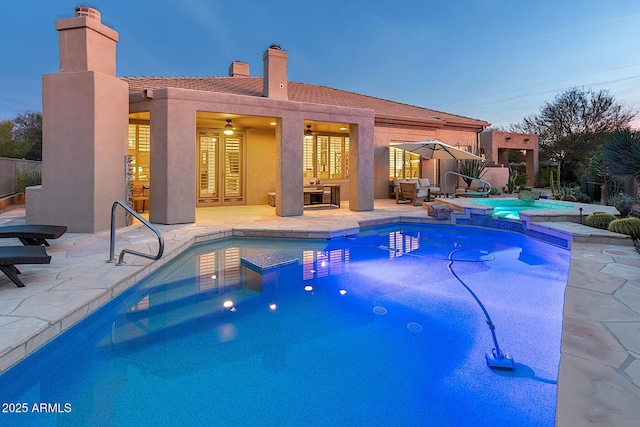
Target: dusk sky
{"points": [[495, 60]]}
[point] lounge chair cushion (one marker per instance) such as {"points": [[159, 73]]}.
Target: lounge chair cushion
{"points": [[422, 192], [33, 234], [11, 255]]}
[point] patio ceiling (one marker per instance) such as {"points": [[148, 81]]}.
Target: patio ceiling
{"points": [[218, 120]]}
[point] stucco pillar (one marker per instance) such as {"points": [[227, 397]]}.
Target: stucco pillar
{"points": [[84, 131], [361, 166], [172, 192], [532, 167], [289, 182]]}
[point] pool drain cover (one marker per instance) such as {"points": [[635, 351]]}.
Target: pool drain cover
{"points": [[379, 310], [267, 260], [414, 327]]}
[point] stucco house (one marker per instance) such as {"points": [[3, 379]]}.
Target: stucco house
{"points": [[214, 141]]}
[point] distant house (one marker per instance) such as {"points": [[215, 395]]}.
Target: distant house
{"points": [[215, 141]]}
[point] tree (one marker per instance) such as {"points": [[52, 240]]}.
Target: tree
{"points": [[6, 127], [621, 157], [27, 130], [8, 145], [574, 125]]}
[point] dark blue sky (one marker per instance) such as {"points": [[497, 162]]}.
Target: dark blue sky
{"points": [[496, 60]]}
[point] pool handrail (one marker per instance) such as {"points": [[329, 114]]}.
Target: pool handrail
{"points": [[131, 251], [486, 184]]}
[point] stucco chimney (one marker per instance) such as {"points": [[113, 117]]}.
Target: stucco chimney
{"points": [[275, 73], [238, 69], [86, 44]]}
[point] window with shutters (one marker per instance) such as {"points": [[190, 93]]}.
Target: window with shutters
{"points": [[139, 150], [326, 157], [403, 164]]}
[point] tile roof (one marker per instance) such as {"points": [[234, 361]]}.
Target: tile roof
{"points": [[304, 92]]}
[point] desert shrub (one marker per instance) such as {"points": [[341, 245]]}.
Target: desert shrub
{"points": [[582, 198], [622, 202], [27, 178], [611, 201], [600, 220], [566, 193], [628, 226], [521, 179], [542, 179]]}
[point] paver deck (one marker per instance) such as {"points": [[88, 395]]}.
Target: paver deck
{"points": [[599, 378]]}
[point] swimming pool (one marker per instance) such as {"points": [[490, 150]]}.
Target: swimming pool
{"points": [[371, 330], [511, 208]]}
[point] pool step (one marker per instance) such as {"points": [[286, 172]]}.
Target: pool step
{"points": [[170, 307]]}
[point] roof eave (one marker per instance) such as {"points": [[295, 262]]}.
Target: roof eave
{"points": [[473, 124], [407, 122], [427, 123]]}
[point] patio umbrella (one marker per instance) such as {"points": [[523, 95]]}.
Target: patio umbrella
{"points": [[436, 150]]}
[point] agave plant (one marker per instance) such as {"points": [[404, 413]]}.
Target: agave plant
{"points": [[621, 154], [471, 168], [566, 193], [623, 203]]}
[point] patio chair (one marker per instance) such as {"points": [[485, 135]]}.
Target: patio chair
{"points": [[33, 235], [140, 193], [413, 194], [11, 255]]}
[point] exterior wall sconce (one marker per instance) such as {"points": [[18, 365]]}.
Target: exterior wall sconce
{"points": [[308, 135], [228, 128], [526, 140], [508, 138]]}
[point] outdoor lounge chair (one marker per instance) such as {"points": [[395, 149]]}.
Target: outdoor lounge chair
{"points": [[11, 255], [413, 194], [31, 235]]}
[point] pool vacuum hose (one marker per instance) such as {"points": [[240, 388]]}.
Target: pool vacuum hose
{"points": [[496, 359]]}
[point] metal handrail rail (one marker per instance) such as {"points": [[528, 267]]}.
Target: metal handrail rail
{"points": [[131, 251], [480, 193]]}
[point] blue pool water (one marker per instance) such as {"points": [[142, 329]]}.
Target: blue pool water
{"points": [[372, 330], [511, 208]]}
